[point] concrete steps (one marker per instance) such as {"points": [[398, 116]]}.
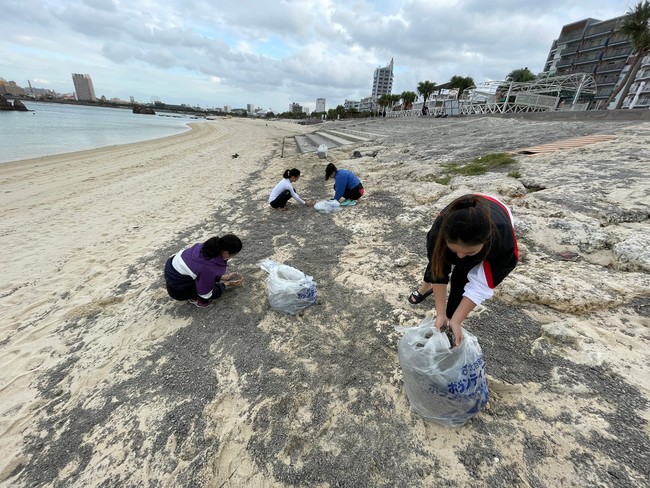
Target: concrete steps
{"points": [[330, 137]]}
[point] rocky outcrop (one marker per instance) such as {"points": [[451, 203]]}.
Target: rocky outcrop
{"points": [[141, 109], [20, 106], [17, 105]]}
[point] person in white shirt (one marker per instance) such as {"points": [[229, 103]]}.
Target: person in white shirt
{"points": [[284, 190]]}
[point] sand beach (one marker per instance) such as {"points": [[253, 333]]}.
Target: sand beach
{"points": [[106, 381]]}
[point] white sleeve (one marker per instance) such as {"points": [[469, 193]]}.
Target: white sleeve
{"points": [[295, 195], [477, 289], [285, 184]]}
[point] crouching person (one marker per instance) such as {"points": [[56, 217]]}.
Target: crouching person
{"points": [[198, 274]]}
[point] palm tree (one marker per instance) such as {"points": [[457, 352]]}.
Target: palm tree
{"points": [[520, 75], [384, 101], [461, 82], [408, 97], [636, 27], [394, 98], [425, 89]]}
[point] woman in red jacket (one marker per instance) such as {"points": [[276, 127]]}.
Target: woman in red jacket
{"points": [[475, 234]]}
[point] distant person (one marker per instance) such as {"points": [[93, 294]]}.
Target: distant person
{"points": [[346, 185], [284, 191], [198, 273], [473, 240]]}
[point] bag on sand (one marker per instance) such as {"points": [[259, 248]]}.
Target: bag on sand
{"points": [[327, 206], [290, 290], [322, 151], [446, 385]]}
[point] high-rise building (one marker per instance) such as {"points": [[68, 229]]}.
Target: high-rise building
{"points": [[639, 94], [595, 47], [382, 83], [320, 105], [250, 108], [295, 108], [83, 87], [351, 104]]}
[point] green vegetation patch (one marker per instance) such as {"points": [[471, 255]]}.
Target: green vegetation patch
{"points": [[477, 166], [482, 164]]}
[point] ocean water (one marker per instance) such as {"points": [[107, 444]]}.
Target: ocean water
{"points": [[54, 128]]}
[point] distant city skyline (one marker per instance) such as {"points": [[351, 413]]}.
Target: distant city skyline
{"points": [[273, 56]]}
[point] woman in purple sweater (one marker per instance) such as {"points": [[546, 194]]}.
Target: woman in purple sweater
{"points": [[198, 273]]}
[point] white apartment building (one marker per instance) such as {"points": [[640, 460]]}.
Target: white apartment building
{"points": [[83, 87], [382, 83], [320, 105]]}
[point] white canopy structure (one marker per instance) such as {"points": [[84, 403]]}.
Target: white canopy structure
{"points": [[548, 93]]}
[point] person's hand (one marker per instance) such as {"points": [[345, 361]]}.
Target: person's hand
{"points": [[440, 322], [232, 279], [457, 329]]}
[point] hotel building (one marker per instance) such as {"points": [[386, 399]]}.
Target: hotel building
{"points": [[83, 87]]}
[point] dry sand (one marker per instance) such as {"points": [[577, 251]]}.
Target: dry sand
{"points": [[107, 382]]}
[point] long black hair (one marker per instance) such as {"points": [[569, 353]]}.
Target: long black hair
{"points": [[214, 246], [291, 172], [329, 170], [468, 221]]}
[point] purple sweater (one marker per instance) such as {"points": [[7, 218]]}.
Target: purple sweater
{"points": [[205, 272]]}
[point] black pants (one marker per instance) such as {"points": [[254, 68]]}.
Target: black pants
{"points": [[183, 287], [281, 200], [353, 193]]}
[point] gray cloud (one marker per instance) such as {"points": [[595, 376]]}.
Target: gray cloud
{"points": [[238, 52]]}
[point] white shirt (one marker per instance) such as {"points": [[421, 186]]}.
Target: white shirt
{"points": [[285, 184]]}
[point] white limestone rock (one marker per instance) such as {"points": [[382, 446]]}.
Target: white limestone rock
{"points": [[633, 254]]}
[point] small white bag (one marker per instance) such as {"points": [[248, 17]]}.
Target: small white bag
{"points": [[289, 289], [327, 206]]}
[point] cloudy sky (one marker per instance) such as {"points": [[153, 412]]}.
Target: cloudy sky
{"points": [[270, 53]]}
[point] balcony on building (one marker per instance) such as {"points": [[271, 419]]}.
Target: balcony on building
{"points": [[598, 47], [586, 59], [612, 57], [611, 67], [564, 63]]}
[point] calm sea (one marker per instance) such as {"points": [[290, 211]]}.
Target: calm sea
{"points": [[54, 128]]}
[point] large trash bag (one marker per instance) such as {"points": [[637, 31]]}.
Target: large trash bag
{"points": [[327, 206], [289, 289], [322, 151], [446, 385]]}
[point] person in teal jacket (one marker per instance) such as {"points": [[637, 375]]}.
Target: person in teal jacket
{"points": [[346, 185]]}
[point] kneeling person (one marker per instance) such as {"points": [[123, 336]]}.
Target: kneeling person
{"points": [[198, 273], [346, 185], [284, 190]]}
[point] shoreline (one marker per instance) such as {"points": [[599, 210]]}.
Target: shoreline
{"points": [[107, 380], [95, 151], [85, 129]]}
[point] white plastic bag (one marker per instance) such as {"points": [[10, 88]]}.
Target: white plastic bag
{"points": [[446, 385], [327, 206], [289, 289], [322, 151]]}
